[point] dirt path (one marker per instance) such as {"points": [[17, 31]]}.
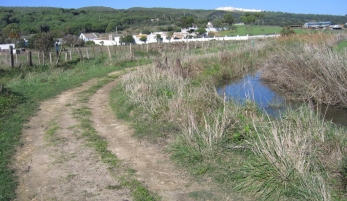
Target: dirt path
{"points": [[55, 162], [152, 165]]}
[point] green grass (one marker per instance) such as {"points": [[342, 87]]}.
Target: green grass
{"points": [[342, 46], [251, 31], [50, 134], [256, 30]]}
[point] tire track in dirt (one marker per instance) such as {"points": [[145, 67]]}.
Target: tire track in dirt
{"points": [[59, 165], [153, 167]]}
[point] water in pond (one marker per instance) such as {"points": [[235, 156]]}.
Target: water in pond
{"points": [[252, 88]]}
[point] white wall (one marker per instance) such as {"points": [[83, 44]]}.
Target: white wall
{"points": [[151, 39], [7, 46], [106, 42]]}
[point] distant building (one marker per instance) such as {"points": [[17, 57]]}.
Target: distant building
{"points": [[317, 24], [6, 47], [336, 27], [88, 36]]}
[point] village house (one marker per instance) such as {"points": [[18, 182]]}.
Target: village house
{"points": [[106, 40], [6, 47], [88, 36]]}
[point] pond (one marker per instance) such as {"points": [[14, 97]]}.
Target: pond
{"points": [[251, 87]]}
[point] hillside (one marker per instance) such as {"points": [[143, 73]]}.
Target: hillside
{"points": [[104, 19]]}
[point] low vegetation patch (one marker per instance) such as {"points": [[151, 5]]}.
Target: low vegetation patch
{"points": [[309, 68], [238, 147]]}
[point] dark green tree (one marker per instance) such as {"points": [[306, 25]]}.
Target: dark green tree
{"points": [[111, 27], [201, 31], [44, 28], [186, 21], [169, 35], [146, 31], [127, 39], [143, 39], [228, 19], [158, 38]]}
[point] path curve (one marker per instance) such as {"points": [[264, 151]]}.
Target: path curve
{"points": [[153, 166], [60, 166]]}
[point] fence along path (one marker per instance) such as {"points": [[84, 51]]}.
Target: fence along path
{"points": [[27, 57]]}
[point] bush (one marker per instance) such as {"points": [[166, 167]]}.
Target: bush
{"points": [[287, 31]]}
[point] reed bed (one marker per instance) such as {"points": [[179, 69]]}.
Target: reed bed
{"points": [[297, 156], [309, 68]]}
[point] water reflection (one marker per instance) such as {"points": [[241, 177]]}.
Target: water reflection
{"points": [[334, 114], [252, 88]]}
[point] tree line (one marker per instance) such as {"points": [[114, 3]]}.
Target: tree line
{"points": [[24, 21]]}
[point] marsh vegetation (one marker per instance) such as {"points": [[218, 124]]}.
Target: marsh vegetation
{"points": [[238, 146]]}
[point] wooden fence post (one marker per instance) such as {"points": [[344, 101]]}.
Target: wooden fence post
{"points": [[115, 50], [80, 52], [102, 54], [87, 53], [11, 53], [70, 55], [50, 58], [94, 52], [38, 56], [65, 56], [58, 57], [30, 60], [109, 52], [43, 58]]}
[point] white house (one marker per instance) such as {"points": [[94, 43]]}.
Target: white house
{"points": [[88, 36], [6, 47]]}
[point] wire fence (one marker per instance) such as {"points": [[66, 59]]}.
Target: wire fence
{"points": [[28, 57]]}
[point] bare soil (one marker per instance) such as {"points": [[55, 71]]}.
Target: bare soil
{"points": [[55, 162]]}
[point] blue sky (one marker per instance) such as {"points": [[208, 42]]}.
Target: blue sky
{"points": [[331, 7]]}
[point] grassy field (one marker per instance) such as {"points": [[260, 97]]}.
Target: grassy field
{"points": [[261, 30], [251, 30]]}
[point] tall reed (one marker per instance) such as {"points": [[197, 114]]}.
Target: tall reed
{"points": [[309, 67], [297, 156]]}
